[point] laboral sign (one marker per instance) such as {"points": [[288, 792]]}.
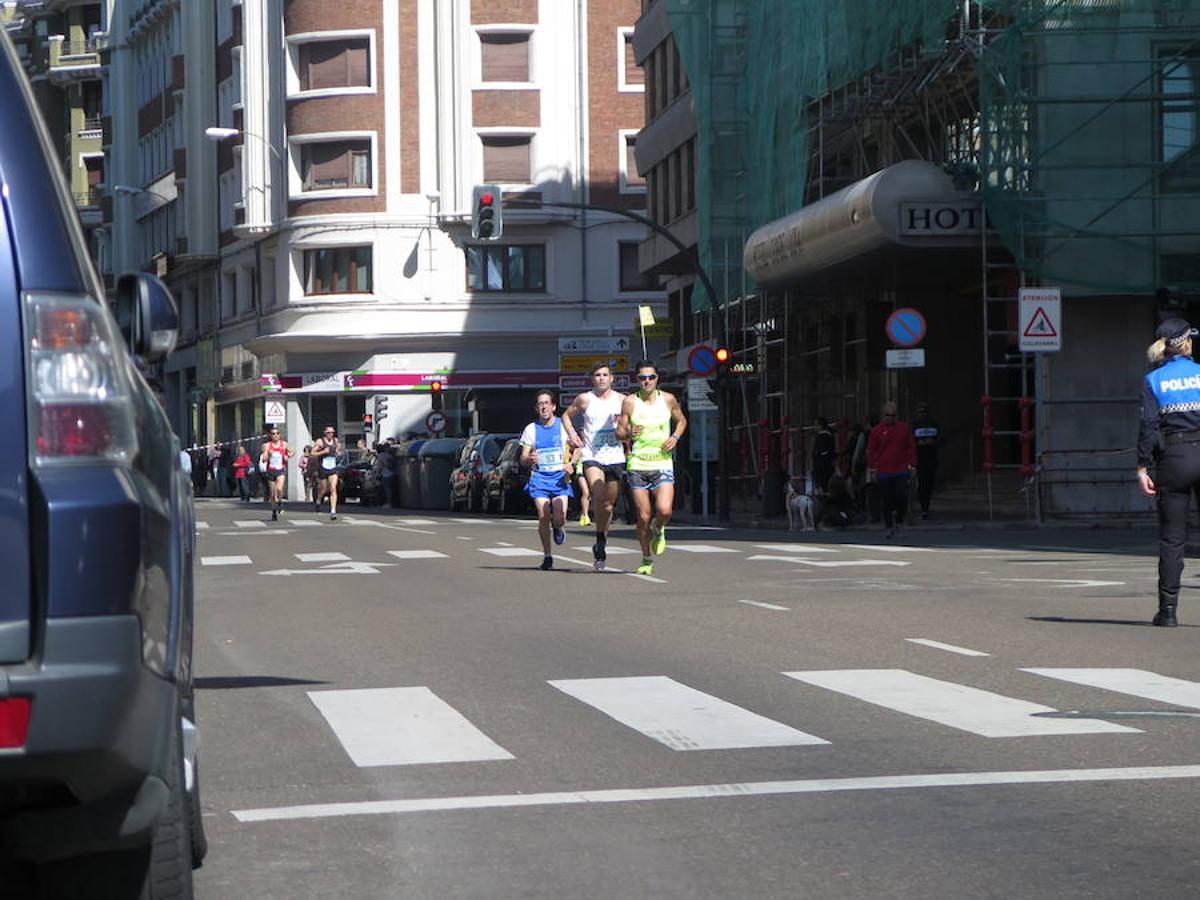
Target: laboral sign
{"points": [[926, 218]]}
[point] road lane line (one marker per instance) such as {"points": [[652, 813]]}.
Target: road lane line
{"points": [[402, 727], [796, 548], [650, 578], [938, 645], [266, 532], [1136, 682], [680, 717], [701, 548], [322, 557], [891, 548], [828, 563], [956, 705], [201, 526], [249, 523], [418, 554], [1065, 582], [510, 551], [224, 560], [715, 791], [766, 605]]}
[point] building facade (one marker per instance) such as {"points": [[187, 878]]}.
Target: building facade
{"points": [[304, 175]]}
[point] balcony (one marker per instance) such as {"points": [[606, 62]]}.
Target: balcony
{"points": [[76, 60], [92, 128]]}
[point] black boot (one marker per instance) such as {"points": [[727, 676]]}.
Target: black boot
{"points": [[1165, 617]]}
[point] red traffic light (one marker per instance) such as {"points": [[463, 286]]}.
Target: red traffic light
{"points": [[722, 355], [435, 386], [486, 199]]}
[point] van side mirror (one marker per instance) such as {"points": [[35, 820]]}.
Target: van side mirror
{"points": [[147, 316]]}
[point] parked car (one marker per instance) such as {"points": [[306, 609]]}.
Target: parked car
{"points": [[479, 455], [99, 777], [504, 491]]}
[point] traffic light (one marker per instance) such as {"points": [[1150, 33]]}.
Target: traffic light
{"points": [[381, 405], [368, 422], [723, 357], [487, 221], [435, 395]]}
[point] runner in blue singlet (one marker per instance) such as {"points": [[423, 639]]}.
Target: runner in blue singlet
{"points": [[545, 449]]}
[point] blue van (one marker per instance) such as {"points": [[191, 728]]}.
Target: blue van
{"points": [[98, 770]]}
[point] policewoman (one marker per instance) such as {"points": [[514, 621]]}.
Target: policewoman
{"points": [[1169, 436]]}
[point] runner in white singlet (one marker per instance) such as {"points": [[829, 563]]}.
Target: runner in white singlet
{"points": [[603, 454]]}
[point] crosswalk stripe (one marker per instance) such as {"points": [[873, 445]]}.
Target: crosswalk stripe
{"points": [[322, 557], [1136, 682], [249, 523], [201, 526], [681, 717], [303, 523], [417, 554], [701, 548], [402, 726], [828, 563], [224, 560], [952, 648], [796, 548], [510, 551], [956, 705]]}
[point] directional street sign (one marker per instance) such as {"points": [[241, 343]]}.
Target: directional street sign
{"points": [[584, 364], [593, 345], [584, 382], [1040, 325]]}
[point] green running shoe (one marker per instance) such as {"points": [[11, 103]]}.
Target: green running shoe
{"points": [[646, 568], [658, 538]]}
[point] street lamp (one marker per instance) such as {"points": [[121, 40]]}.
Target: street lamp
{"points": [[132, 191], [221, 133]]}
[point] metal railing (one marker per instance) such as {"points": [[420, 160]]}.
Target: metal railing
{"points": [[87, 198]]}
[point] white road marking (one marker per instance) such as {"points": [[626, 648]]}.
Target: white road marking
{"points": [[938, 645], [338, 568], [829, 563], [503, 544], [303, 523], [681, 717], [200, 526], [701, 548], [322, 557], [417, 554], [408, 530], [402, 727], [1136, 682], [956, 705], [224, 560], [796, 548], [715, 791], [650, 578], [459, 537], [406, 521], [249, 523], [622, 551], [246, 534], [891, 548], [766, 605], [1065, 582], [510, 551], [473, 521]]}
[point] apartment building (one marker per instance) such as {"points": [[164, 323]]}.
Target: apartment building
{"points": [[303, 177]]}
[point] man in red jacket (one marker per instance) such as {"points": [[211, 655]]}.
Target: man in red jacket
{"points": [[892, 455]]}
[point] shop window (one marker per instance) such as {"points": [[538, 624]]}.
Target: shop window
{"points": [[506, 268]]}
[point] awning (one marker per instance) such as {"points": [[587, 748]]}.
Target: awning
{"points": [[910, 204]]}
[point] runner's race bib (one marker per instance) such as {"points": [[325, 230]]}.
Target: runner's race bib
{"points": [[328, 463], [276, 460], [550, 460], [605, 437]]}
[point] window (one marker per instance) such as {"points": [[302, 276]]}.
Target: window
{"points": [[506, 160], [631, 181], [334, 165], [506, 267], [629, 74], [335, 64], [337, 270], [631, 278], [504, 57], [1179, 144]]}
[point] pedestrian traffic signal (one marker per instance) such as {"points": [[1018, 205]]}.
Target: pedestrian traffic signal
{"points": [[435, 395], [487, 221], [381, 405], [368, 422]]}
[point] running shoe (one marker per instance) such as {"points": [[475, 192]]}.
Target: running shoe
{"points": [[600, 552], [333, 517], [658, 538], [584, 520], [646, 568], [274, 515], [559, 535], [547, 564]]}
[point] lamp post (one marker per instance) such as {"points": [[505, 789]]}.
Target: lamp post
{"points": [[220, 133]]}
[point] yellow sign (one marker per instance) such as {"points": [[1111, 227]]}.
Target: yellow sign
{"points": [[583, 364], [663, 329], [646, 316]]}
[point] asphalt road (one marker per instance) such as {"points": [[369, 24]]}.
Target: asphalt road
{"points": [[402, 705]]}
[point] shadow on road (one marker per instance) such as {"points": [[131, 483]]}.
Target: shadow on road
{"points": [[1073, 621], [232, 682]]}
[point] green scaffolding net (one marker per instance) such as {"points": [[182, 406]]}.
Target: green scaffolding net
{"points": [[1086, 146]]}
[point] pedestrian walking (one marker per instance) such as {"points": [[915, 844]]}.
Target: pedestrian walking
{"points": [[545, 450], [603, 454], [1169, 440], [303, 464], [653, 420], [325, 455], [891, 456], [272, 461], [241, 473], [928, 437], [824, 454]]}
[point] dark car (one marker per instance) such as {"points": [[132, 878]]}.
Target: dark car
{"points": [[468, 478], [98, 773], [355, 469], [504, 491]]}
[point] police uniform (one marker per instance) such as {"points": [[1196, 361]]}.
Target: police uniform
{"points": [[1169, 438]]}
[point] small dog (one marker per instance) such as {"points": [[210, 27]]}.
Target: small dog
{"points": [[799, 510]]}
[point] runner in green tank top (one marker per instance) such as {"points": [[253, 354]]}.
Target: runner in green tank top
{"points": [[646, 420]]}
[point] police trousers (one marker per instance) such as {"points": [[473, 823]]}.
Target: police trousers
{"points": [[1176, 479]]}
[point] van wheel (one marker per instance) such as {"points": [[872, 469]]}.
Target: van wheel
{"points": [[169, 874]]}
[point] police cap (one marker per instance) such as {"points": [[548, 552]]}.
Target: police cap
{"points": [[1175, 331]]}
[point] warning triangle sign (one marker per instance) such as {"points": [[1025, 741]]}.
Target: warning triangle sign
{"points": [[1040, 325]]}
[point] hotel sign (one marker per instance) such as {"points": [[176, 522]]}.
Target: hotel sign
{"points": [[938, 218]]}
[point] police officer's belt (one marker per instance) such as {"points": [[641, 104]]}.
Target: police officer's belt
{"points": [[1182, 437]]}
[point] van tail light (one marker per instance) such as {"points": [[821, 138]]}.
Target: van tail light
{"points": [[80, 398], [14, 722]]}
